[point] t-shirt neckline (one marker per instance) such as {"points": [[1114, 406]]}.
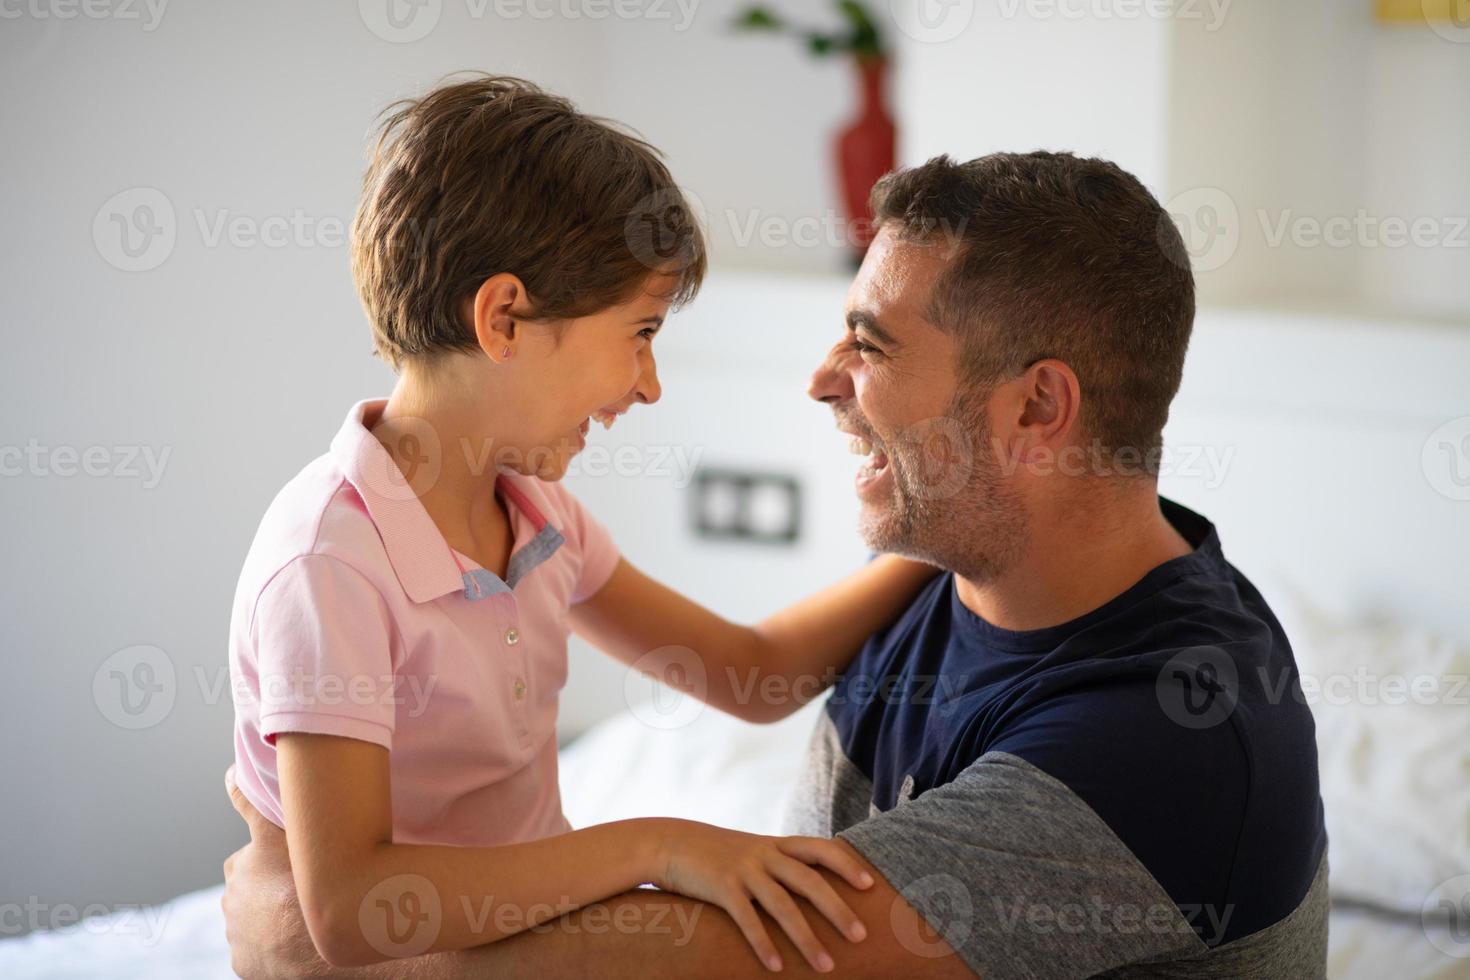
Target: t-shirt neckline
{"points": [[1196, 529]]}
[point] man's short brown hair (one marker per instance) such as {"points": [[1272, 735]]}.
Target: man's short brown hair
{"points": [[492, 175], [1056, 256]]}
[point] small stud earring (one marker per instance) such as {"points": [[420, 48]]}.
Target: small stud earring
{"points": [[506, 352]]}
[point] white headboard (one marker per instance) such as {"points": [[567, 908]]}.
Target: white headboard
{"points": [[1329, 490]]}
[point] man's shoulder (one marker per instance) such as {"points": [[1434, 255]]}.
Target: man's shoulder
{"points": [[1174, 718]]}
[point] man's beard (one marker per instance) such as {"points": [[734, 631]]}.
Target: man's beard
{"points": [[950, 504]]}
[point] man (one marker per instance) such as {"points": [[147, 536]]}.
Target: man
{"points": [[1082, 750]]}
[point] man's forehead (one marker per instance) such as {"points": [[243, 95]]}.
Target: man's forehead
{"points": [[895, 283]]}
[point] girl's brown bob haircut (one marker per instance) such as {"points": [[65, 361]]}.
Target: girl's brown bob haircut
{"points": [[492, 175]]}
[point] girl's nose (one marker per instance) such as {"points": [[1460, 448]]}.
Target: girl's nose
{"points": [[648, 390]]}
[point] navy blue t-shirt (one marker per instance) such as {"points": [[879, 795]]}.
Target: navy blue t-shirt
{"points": [[1173, 711]]}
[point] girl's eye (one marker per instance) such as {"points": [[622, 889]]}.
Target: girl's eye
{"points": [[647, 332]]}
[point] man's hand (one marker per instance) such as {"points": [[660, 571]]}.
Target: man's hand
{"points": [[263, 921]]}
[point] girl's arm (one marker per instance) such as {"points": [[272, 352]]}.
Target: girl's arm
{"points": [[759, 673], [366, 899]]}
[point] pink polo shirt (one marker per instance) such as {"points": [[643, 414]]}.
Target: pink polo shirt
{"points": [[354, 617]]}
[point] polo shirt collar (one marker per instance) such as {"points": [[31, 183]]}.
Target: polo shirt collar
{"points": [[424, 562], [481, 583]]}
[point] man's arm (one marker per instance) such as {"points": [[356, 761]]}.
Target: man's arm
{"points": [[644, 934], [655, 935]]}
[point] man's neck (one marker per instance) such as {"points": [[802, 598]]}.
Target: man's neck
{"points": [[1075, 560]]}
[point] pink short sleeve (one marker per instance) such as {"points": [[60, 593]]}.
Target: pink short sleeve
{"points": [[323, 645], [599, 555]]}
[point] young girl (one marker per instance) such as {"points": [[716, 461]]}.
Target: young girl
{"points": [[399, 630]]}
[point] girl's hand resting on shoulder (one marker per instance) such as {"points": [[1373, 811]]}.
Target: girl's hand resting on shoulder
{"points": [[735, 870]]}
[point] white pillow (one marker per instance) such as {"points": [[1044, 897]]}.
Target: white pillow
{"points": [[698, 764], [1392, 706]]}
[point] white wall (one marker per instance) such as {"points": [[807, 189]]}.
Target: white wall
{"points": [[1295, 116], [746, 122], [1414, 159], [1246, 118], [240, 360], [1021, 76]]}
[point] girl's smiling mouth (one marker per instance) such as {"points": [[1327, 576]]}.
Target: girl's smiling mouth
{"points": [[606, 416]]}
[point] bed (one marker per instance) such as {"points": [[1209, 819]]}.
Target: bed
{"points": [[714, 769], [1334, 485]]}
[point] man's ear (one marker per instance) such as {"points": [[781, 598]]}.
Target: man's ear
{"points": [[1050, 402], [493, 313]]}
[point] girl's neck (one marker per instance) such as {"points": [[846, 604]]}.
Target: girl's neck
{"points": [[447, 456]]}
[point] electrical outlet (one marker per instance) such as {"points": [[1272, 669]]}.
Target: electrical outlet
{"points": [[744, 505]]}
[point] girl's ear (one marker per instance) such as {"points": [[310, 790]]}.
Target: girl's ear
{"points": [[493, 313]]}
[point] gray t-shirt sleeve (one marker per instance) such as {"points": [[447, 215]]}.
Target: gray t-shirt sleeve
{"points": [[1021, 877]]}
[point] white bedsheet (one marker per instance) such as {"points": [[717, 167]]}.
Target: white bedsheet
{"points": [[714, 769], [188, 941]]}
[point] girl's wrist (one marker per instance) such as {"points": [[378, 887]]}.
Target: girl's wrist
{"points": [[652, 846]]}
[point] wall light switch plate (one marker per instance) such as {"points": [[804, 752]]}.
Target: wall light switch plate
{"points": [[744, 505]]}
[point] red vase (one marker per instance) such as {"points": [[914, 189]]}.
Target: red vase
{"points": [[865, 152]]}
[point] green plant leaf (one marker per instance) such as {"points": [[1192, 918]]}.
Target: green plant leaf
{"points": [[758, 19], [865, 38], [820, 44], [860, 37]]}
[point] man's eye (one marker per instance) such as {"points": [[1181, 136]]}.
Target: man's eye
{"points": [[861, 347]]}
